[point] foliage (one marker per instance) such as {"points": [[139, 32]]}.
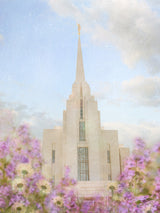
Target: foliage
{"points": [[139, 185], [23, 188]]}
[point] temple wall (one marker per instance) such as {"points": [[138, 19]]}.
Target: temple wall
{"points": [[123, 154], [93, 138], [110, 142], [52, 140], [71, 136]]}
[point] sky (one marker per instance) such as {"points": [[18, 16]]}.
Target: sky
{"points": [[121, 55]]}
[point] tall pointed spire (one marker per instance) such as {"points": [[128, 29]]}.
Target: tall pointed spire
{"points": [[80, 70]]}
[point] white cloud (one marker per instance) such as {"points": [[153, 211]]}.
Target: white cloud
{"points": [[12, 115], [64, 8], [127, 133], [110, 92], [154, 2], [38, 121], [6, 122], [103, 90], [131, 25], [142, 90]]}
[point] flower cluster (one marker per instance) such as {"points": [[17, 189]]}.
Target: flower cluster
{"points": [[139, 184], [24, 189], [63, 198], [22, 186]]}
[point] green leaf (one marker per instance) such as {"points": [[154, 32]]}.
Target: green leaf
{"points": [[138, 202]]}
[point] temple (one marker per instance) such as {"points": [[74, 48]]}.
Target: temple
{"points": [[92, 153]]}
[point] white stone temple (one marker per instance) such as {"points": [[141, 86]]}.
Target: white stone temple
{"points": [[92, 153]]}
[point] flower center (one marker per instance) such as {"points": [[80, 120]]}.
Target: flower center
{"points": [[19, 208], [43, 187], [24, 172], [20, 185], [58, 202]]}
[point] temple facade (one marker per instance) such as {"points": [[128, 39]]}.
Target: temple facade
{"points": [[92, 153]]}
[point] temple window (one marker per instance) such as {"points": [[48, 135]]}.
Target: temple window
{"points": [[83, 167], [82, 130], [108, 156], [81, 109], [109, 177], [53, 156]]}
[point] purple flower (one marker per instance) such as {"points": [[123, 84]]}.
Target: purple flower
{"points": [[10, 170], [139, 144], [19, 198], [39, 206], [142, 198], [24, 159], [23, 131], [67, 171], [5, 190], [86, 206], [156, 148], [4, 148], [2, 202]]}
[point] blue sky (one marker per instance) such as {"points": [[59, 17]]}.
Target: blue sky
{"points": [[121, 54]]}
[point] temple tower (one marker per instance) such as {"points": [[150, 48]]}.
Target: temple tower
{"points": [[92, 153]]}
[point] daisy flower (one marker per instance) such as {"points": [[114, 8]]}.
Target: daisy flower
{"points": [[58, 201], [24, 169], [18, 184], [19, 207], [44, 186]]}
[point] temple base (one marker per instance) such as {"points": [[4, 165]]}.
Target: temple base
{"points": [[91, 188]]}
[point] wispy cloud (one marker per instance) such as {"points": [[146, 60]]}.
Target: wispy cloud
{"points": [[109, 92], [142, 90], [127, 133], [64, 8], [130, 25], [14, 114], [103, 90], [154, 2]]}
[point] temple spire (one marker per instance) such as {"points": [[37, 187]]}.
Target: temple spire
{"points": [[80, 70]]}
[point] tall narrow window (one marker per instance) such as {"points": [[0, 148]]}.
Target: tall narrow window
{"points": [[53, 179], [108, 157], [53, 156], [81, 109], [83, 167], [109, 177], [82, 131]]}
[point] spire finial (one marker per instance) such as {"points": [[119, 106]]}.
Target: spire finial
{"points": [[79, 29], [80, 70]]}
